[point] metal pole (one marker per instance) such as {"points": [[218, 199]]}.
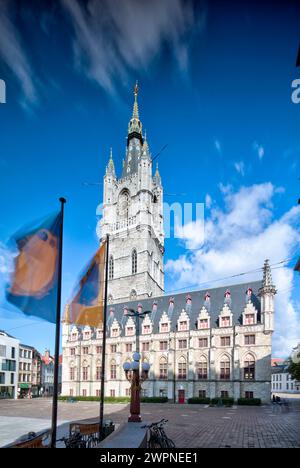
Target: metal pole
{"points": [[103, 343], [57, 329]]}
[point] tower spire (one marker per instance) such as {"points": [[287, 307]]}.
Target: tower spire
{"points": [[267, 282], [110, 168], [135, 125]]}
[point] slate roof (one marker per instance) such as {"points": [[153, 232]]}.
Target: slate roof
{"points": [[238, 302]]}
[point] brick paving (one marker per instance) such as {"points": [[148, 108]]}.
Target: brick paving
{"points": [[190, 426]]}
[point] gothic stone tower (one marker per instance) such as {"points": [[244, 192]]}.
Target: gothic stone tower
{"points": [[133, 218]]}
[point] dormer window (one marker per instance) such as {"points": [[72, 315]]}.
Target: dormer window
{"points": [[203, 323], [249, 319], [87, 335], [115, 332], [146, 329], [164, 327], [129, 331], [74, 336], [249, 314], [183, 326], [225, 321]]}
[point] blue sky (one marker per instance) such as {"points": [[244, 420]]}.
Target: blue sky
{"points": [[215, 85]]}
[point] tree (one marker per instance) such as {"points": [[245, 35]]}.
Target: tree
{"points": [[294, 365]]}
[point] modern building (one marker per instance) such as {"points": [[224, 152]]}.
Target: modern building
{"points": [[210, 343], [25, 370], [9, 364]]}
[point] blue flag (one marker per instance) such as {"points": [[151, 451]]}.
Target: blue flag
{"points": [[34, 280]]}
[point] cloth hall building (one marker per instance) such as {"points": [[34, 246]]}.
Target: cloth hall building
{"points": [[209, 343]]}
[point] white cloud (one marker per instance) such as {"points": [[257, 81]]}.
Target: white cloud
{"points": [[218, 146], [239, 238], [208, 201], [114, 38], [240, 167], [259, 149], [13, 55]]}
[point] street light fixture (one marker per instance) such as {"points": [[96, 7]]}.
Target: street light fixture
{"points": [[136, 373]]}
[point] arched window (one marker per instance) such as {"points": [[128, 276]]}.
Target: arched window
{"points": [[72, 371], [113, 370], [163, 369], [111, 268], [182, 369], [225, 368], [202, 368], [134, 262], [133, 295], [85, 371], [249, 367]]}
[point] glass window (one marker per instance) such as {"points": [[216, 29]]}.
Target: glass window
{"points": [[202, 370], [111, 268], [98, 373], [146, 329], [164, 327], [182, 344], [163, 345], [182, 369], [146, 346], [249, 319], [113, 371], [134, 262], [183, 326], [225, 340], [203, 323], [163, 369], [249, 368], [249, 339], [225, 369], [225, 321], [203, 342]]}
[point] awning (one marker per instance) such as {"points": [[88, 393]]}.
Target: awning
{"points": [[24, 385]]}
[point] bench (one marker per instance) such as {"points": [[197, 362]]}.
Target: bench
{"points": [[88, 429], [37, 441]]}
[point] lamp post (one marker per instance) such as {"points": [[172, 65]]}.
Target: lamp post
{"points": [[132, 370]]}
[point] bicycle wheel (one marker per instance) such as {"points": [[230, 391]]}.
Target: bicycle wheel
{"points": [[155, 442]]}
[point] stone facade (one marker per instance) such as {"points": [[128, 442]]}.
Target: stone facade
{"points": [[133, 218], [207, 343], [195, 346]]}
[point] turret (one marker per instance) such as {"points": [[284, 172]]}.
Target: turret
{"points": [[267, 293], [109, 180]]}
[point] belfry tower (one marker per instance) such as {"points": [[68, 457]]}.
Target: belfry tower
{"points": [[133, 218]]}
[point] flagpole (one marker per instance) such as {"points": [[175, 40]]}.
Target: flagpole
{"points": [[103, 343], [57, 330]]}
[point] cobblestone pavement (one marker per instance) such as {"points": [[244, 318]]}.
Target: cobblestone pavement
{"points": [[193, 426]]}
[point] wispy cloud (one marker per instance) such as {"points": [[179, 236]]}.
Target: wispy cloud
{"points": [[259, 149], [114, 38], [218, 147], [240, 167], [238, 238], [13, 55]]}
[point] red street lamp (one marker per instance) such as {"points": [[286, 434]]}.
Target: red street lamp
{"points": [[135, 373]]}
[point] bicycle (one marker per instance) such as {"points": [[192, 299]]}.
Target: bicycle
{"points": [[157, 436], [74, 441]]}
